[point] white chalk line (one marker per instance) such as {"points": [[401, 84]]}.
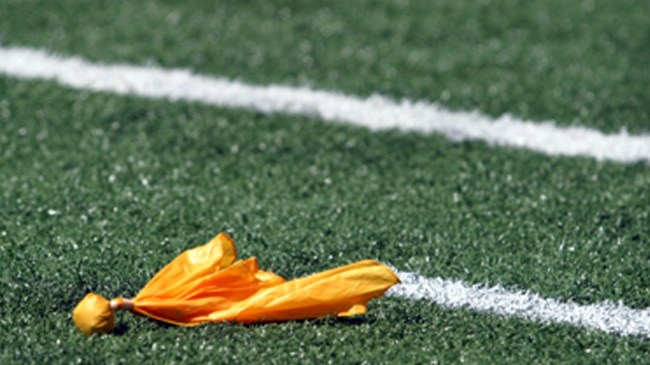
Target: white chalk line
{"points": [[613, 318], [375, 113]]}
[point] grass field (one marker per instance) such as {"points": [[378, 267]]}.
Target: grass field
{"points": [[98, 191]]}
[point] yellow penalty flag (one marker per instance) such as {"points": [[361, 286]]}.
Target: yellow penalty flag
{"points": [[207, 284]]}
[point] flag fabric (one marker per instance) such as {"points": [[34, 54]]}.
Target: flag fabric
{"points": [[208, 284]]}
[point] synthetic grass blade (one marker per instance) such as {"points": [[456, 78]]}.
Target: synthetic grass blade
{"points": [[206, 284]]}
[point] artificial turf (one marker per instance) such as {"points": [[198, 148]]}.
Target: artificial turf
{"points": [[98, 192], [572, 62]]}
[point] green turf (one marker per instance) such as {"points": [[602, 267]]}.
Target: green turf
{"points": [[98, 192], [573, 62], [393, 333], [563, 227]]}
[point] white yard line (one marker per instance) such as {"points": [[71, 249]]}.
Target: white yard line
{"points": [[375, 113], [608, 317]]}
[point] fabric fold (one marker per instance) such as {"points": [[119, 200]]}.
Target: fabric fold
{"points": [[208, 284]]}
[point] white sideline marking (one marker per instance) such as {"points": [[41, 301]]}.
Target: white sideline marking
{"points": [[607, 316], [375, 112]]}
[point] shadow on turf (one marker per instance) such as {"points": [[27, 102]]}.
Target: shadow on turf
{"points": [[123, 328]]}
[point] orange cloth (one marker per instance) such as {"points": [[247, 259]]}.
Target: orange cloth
{"points": [[206, 284]]}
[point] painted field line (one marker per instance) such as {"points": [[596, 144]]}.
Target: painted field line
{"points": [[607, 316], [375, 112]]}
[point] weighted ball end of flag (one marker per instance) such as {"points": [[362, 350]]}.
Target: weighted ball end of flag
{"points": [[94, 315]]}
